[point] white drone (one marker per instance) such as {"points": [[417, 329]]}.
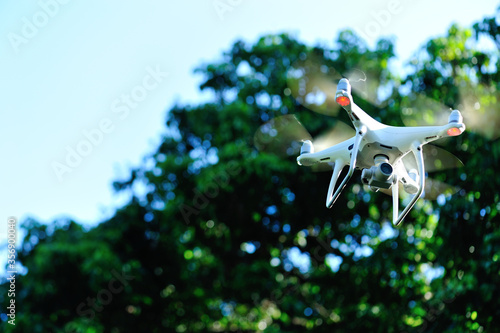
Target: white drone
{"points": [[378, 150]]}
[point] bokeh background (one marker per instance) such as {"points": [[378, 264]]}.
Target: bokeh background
{"points": [[144, 205]]}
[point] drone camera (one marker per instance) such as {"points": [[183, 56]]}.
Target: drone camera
{"points": [[385, 169], [379, 175]]}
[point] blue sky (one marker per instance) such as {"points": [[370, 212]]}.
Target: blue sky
{"points": [[106, 72]]}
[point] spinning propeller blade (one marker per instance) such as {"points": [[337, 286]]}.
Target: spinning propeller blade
{"points": [[435, 159], [480, 114], [364, 86], [420, 110], [313, 85], [432, 189], [282, 136], [340, 132]]}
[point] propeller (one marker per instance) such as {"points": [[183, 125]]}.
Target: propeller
{"points": [[480, 113], [313, 85], [282, 136], [435, 159], [338, 133], [365, 86], [433, 188], [420, 110]]}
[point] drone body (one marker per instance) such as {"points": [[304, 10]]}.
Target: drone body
{"points": [[378, 150]]}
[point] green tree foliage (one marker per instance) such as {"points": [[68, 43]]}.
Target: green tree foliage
{"points": [[221, 237]]}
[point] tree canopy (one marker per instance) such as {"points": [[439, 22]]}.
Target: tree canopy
{"points": [[219, 236]]}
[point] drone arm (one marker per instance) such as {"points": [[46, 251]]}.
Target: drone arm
{"points": [[419, 156], [339, 165]]}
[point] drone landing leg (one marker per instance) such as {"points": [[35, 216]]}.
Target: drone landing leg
{"points": [[395, 198], [339, 165], [419, 156], [330, 198]]}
